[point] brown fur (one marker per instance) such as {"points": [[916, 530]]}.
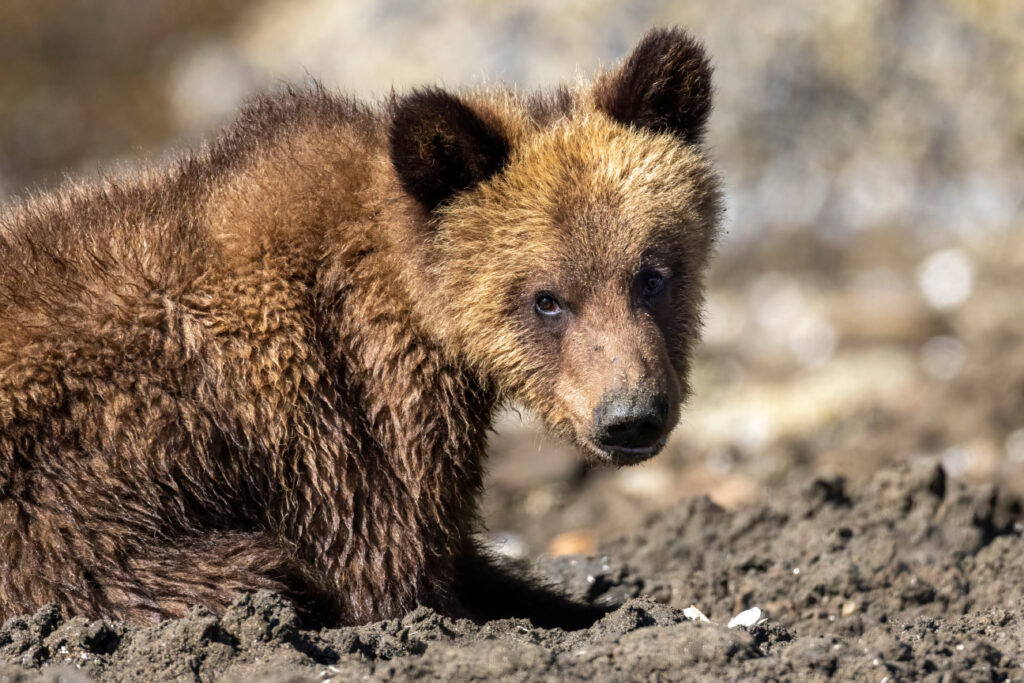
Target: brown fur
{"points": [[274, 364]]}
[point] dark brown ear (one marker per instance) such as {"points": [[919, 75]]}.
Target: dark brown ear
{"points": [[665, 85], [439, 146]]}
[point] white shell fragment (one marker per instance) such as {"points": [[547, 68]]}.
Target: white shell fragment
{"points": [[694, 614], [748, 617]]}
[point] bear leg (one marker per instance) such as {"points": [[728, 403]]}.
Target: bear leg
{"points": [[212, 571], [486, 588]]}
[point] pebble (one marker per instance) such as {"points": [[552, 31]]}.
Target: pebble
{"points": [[508, 544], [946, 278], [576, 542]]}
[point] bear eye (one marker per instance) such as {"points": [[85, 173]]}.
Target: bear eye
{"points": [[545, 304], [651, 284]]}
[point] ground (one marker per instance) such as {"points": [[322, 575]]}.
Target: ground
{"points": [[909, 577]]}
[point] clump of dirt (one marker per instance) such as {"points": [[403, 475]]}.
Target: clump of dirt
{"points": [[911, 577]]}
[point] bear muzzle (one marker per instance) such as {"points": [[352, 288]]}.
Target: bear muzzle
{"points": [[631, 427]]}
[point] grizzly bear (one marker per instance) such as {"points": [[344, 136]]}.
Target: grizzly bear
{"points": [[275, 363]]}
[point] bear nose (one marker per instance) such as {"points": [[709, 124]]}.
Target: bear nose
{"points": [[630, 421]]}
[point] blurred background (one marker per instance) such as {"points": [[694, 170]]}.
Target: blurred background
{"points": [[867, 303]]}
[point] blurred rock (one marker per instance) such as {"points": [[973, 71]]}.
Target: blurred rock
{"points": [[86, 84], [646, 481], [576, 542], [1015, 446], [946, 278], [507, 544], [207, 84], [734, 492], [943, 357]]}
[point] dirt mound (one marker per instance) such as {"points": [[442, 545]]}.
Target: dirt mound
{"points": [[911, 577]]}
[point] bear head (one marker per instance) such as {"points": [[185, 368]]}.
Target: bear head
{"points": [[567, 239]]}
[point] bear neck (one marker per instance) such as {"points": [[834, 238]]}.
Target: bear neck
{"points": [[322, 209], [428, 414]]}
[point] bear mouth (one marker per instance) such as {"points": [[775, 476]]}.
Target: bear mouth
{"points": [[621, 456]]}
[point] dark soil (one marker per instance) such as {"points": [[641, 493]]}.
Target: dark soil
{"points": [[912, 577]]}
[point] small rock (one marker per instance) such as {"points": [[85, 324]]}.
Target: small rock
{"points": [[577, 542], [508, 544]]}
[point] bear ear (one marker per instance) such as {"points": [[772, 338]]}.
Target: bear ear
{"points": [[665, 86], [439, 146]]}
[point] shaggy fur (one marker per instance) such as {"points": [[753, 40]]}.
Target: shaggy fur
{"points": [[274, 364]]}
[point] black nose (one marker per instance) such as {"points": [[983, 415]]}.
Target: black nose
{"points": [[634, 420]]}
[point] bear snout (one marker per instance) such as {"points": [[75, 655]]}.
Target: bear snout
{"points": [[631, 426]]}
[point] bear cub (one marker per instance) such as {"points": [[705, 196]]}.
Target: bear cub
{"points": [[274, 363]]}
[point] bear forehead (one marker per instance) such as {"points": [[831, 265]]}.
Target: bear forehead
{"points": [[593, 158], [587, 185]]}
